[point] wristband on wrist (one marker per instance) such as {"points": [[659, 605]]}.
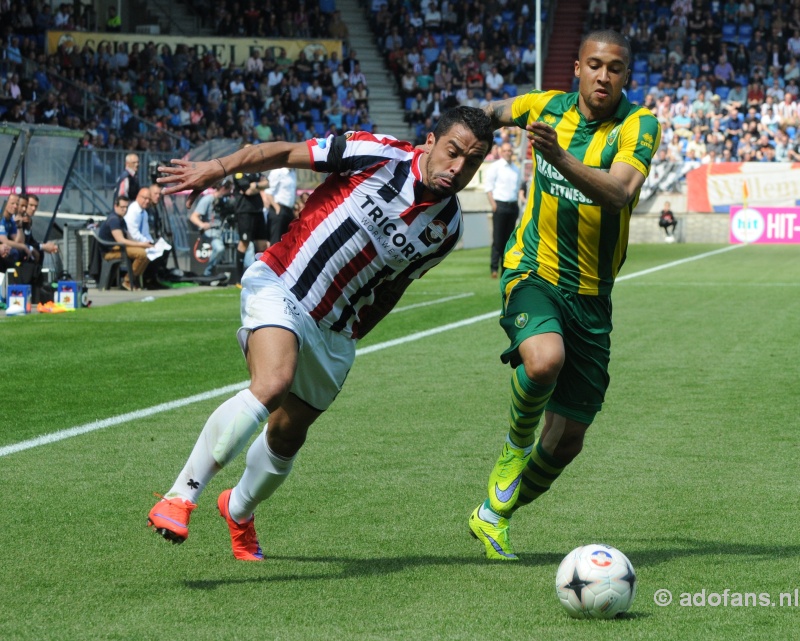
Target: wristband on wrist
{"points": [[224, 173]]}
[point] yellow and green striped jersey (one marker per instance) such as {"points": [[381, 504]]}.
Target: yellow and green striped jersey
{"points": [[563, 236]]}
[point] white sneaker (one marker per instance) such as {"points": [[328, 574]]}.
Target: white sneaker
{"points": [[15, 310]]}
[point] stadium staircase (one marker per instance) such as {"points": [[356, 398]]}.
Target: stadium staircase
{"points": [[385, 107], [562, 50]]}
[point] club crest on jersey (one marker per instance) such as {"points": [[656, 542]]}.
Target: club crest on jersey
{"points": [[289, 308], [436, 231], [521, 320], [612, 136]]}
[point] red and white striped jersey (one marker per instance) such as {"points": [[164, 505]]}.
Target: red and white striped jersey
{"points": [[365, 224]]}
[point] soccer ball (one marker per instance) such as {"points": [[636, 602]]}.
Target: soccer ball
{"points": [[595, 582]]}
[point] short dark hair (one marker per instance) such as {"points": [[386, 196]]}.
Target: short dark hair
{"points": [[33, 197], [118, 200], [472, 118], [608, 36]]}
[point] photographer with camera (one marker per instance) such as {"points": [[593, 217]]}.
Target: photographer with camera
{"points": [[249, 208], [207, 218]]}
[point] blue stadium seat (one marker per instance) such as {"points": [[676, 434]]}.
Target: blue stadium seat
{"points": [[315, 114], [641, 78], [729, 32], [301, 126], [438, 39], [454, 38], [366, 126], [320, 127], [654, 78], [511, 89], [743, 80], [641, 65], [430, 54], [745, 33], [327, 6], [409, 101], [722, 91]]}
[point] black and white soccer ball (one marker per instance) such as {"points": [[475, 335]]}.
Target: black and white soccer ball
{"points": [[595, 581]]}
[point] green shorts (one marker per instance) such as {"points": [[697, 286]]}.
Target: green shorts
{"points": [[534, 307]]}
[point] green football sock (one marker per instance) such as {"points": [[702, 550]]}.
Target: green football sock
{"points": [[528, 400], [539, 474]]}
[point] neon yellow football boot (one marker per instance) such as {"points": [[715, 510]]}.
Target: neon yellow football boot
{"points": [[493, 537]]}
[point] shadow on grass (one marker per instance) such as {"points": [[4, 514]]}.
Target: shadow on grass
{"points": [[350, 568], [664, 551]]}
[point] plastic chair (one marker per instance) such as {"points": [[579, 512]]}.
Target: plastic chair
{"points": [[114, 267], [729, 33]]}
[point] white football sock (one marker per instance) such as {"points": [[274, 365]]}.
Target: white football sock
{"points": [[263, 475], [225, 434]]}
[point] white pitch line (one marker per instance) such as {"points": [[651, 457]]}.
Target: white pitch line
{"points": [[427, 303], [675, 263], [54, 437]]}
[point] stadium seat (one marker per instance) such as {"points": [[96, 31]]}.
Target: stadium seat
{"points": [[366, 126], [641, 66], [745, 33], [454, 38], [302, 127], [641, 78], [327, 6], [654, 78], [320, 127], [729, 33], [722, 91], [511, 89], [430, 54], [438, 39], [315, 114], [409, 102]]}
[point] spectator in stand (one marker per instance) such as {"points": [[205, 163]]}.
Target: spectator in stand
{"points": [[723, 72], [738, 96], [128, 181]]}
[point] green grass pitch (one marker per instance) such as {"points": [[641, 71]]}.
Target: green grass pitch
{"points": [[691, 470]]}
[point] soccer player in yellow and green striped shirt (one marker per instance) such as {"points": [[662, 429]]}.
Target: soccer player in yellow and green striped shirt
{"points": [[591, 151]]}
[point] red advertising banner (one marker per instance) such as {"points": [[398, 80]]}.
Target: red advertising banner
{"points": [[716, 187]]}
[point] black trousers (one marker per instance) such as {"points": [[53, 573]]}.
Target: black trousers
{"points": [[279, 222], [503, 222]]}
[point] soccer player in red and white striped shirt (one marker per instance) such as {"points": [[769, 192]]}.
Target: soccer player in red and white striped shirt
{"points": [[384, 216]]}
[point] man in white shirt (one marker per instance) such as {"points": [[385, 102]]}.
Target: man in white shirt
{"points": [[494, 80], [503, 183], [136, 217], [279, 200]]}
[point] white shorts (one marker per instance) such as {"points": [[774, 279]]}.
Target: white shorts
{"points": [[324, 357]]}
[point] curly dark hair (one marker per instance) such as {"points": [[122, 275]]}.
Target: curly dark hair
{"points": [[474, 119]]}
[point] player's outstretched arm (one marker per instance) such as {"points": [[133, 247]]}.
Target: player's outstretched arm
{"points": [[196, 176], [500, 112]]}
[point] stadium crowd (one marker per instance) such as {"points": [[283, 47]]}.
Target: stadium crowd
{"points": [[722, 77], [156, 98]]}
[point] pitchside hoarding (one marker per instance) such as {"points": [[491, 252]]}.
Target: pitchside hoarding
{"points": [[772, 225]]}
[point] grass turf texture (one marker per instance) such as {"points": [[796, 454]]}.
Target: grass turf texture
{"points": [[691, 470]]}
